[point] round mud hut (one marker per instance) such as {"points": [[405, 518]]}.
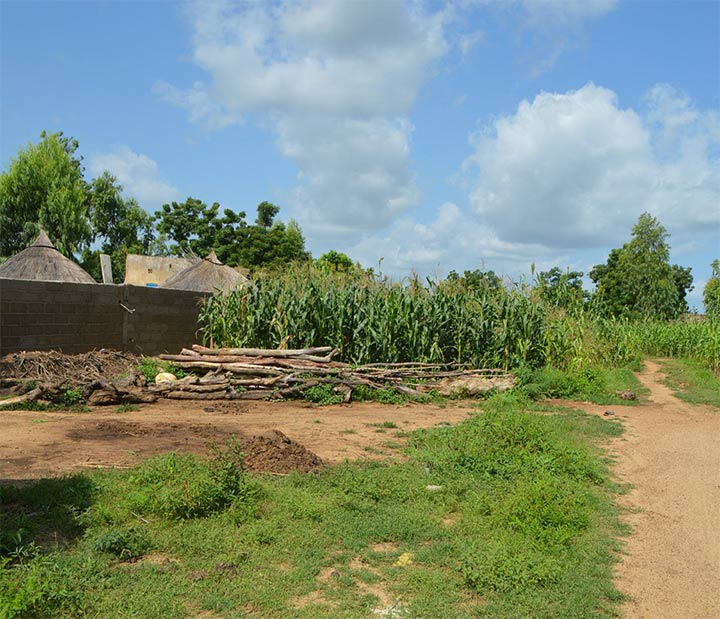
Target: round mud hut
{"points": [[207, 275], [41, 261]]}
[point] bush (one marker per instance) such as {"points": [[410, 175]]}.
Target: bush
{"points": [[127, 544], [507, 564], [182, 486]]}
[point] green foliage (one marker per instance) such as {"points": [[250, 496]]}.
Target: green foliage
{"points": [[125, 543], [194, 226], [711, 292], [323, 394], [363, 393], [71, 396], [335, 261], [561, 289], [369, 320], [178, 486], [476, 280], [508, 564], [44, 186], [692, 382], [638, 281], [119, 224]]}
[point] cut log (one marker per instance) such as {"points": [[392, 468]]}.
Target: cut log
{"points": [[236, 368], [19, 399], [263, 352]]}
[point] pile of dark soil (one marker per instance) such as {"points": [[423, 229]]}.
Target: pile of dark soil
{"points": [[273, 452], [53, 367]]}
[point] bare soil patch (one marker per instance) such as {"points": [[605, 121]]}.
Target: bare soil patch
{"points": [[276, 436], [670, 454]]}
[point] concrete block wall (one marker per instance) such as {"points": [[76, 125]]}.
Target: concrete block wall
{"points": [[77, 318]]}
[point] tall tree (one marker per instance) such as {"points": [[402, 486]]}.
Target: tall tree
{"points": [[560, 288], [120, 224], [268, 243], [638, 279], [711, 292], [44, 186]]}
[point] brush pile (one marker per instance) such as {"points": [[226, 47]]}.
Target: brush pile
{"points": [[256, 374]]}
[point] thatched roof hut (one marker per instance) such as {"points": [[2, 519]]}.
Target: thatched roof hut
{"points": [[40, 260], [207, 275]]}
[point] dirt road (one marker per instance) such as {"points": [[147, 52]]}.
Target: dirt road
{"points": [[670, 453]]}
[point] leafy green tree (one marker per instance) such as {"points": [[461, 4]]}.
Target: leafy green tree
{"points": [[266, 213], [191, 225], [476, 280], [560, 288], [711, 292], [44, 186], [638, 280], [335, 261], [194, 226], [121, 225]]}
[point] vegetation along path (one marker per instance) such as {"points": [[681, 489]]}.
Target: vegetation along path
{"points": [[670, 454]]}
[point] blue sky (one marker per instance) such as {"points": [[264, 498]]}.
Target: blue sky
{"points": [[433, 135]]}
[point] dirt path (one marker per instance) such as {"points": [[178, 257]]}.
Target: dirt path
{"points": [[670, 453], [38, 444]]}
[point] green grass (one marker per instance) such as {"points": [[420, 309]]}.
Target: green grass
{"points": [[523, 526], [590, 383], [692, 381]]}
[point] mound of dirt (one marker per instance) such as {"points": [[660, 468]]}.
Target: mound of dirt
{"points": [[273, 452]]}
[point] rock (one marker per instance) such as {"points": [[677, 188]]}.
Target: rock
{"points": [[474, 385], [165, 377]]}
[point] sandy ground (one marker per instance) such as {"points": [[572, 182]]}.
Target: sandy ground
{"points": [[37, 444], [670, 454]]}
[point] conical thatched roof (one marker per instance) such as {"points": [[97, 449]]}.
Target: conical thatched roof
{"points": [[207, 275], [42, 261]]}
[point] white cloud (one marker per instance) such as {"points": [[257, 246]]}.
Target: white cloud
{"points": [[573, 170], [552, 27], [337, 80], [137, 173], [199, 104], [454, 239], [354, 171], [564, 13]]}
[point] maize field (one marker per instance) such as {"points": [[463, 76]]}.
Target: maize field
{"points": [[371, 320]]}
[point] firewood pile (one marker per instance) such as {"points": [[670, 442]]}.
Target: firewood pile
{"points": [[257, 374], [228, 374]]}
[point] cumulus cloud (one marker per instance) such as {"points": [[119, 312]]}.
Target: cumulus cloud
{"points": [[453, 239], [336, 81], [137, 173], [562, 180], [573, 170]]}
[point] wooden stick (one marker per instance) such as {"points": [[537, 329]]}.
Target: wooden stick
{"points": [[27, 397], [262, 352]]}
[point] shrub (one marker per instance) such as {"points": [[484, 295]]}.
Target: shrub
{"points": [[182, 486]]}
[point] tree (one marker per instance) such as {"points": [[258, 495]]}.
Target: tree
{"points": [[711, 292], [637, 280], [476, 280], [562, 289], [120, 224], [335, 261], [44, 186], [266, 213], [192, 225]]}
